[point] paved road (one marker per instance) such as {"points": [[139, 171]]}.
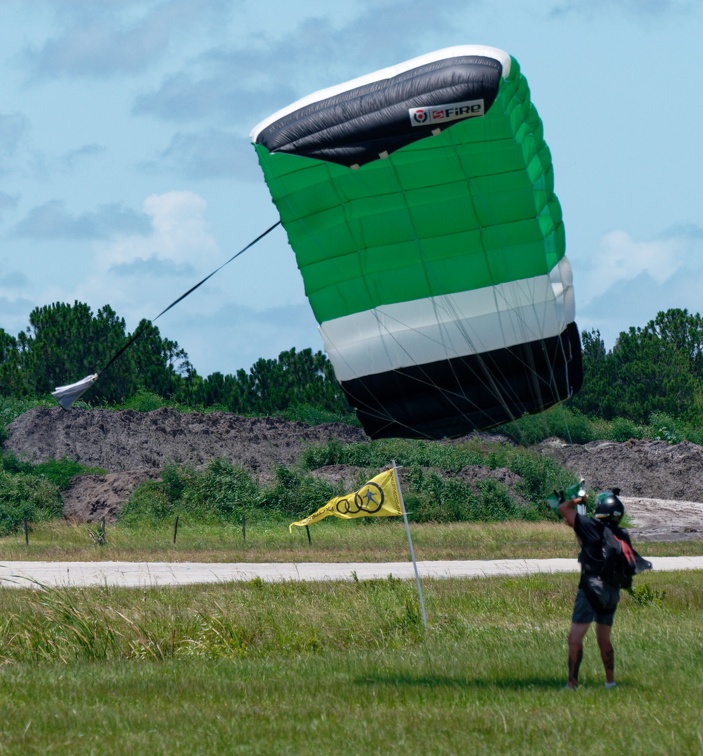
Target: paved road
{"points": [[150, 574]]}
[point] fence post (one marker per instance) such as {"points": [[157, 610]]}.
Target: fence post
{"points": [[244, 529], [307, 529], [26, 532], [175, 530]]}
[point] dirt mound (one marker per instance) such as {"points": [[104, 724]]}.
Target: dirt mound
{"points": [[654, 476], [652, 469], [92, 497], [661, 484], [129, 440], [135, 446], [664, 519]]}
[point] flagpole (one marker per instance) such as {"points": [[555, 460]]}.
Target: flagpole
{"points": [[410, 542]]}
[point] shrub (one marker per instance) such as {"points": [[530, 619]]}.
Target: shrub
{"points": [[622, 429], [694, 435], [664, 428], [560, 421], [11, 407], [11, 463], [27, 497], [430, 498], [645, 595], [61, 472], [313, 415], [145, 401], [222, 491], [296, 494], [148, 503]]}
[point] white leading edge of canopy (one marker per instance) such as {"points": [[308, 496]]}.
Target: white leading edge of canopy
{"points": [[387, 73], [429, 330]]}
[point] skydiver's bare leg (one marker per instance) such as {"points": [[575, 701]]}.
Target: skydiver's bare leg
{"points": [[607, 652], [576, 635]]}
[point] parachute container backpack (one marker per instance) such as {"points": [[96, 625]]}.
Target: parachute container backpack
{"points": [[419, 201]]}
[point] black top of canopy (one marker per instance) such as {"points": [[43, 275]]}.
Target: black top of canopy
{"points": [[360, 125]]}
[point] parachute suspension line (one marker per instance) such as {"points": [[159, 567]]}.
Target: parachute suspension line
{"points": [[520, 323], [488, 375], [515, 314], [441, 323], [526, 357], [550, 360], [427, 379], [564, 418], [485, 376], [141, 330], [541, 386], [361, 244]]}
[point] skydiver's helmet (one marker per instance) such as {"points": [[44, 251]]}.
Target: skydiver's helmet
{"points": [[609, 508]]}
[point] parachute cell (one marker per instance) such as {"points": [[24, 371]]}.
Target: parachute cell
{"points": [[419, 201]]}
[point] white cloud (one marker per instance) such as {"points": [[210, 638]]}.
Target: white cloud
{"points": [[179, 234], [71, 159], [14, 128], [234, 337], [228, 323], [629, 282], [139, 274], [276, 66], [12, 280], [7, 202], [102, 39], [620, 258]]}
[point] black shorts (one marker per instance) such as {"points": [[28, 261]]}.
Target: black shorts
{"points": [[585, 614]]}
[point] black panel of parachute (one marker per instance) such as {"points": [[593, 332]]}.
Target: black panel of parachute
{"points": [[355, 128], [419, 201]]}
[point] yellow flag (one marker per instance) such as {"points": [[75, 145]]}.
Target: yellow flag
{"points": [[377, 498]]}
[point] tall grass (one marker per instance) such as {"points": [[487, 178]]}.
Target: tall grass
{"points": [[362, 540], [346, 668]]}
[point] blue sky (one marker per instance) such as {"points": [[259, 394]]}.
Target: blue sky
{"points": [[126, 172]]}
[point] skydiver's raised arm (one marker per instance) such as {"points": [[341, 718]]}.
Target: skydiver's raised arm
{"points": [[567, 509]]}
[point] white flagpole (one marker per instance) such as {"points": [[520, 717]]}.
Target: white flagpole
{"points": [[410, 542]]}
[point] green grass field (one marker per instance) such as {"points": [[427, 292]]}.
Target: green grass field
{"points": [[342, 668], [345, 668]]}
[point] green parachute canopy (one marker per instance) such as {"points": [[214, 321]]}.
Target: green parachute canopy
{"points": [[419, 201]]}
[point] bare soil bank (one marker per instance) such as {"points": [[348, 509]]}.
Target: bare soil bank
{"points": [[661, 484]]}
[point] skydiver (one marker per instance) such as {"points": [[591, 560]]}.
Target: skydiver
{"points": [[609, 510]]}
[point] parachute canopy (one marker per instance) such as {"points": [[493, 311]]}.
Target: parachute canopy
{"points": [[419, 201]]}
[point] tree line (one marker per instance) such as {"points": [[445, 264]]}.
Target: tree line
{"points": [[654, 369], [66, 342], [657, 368]]}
